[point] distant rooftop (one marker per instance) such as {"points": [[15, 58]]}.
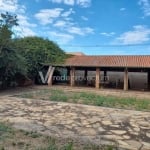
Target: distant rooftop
{"points": [[75, 53]]}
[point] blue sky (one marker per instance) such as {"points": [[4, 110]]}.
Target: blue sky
{"points": [[94, 27]]}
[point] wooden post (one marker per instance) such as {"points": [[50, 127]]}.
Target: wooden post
{"points": [[148, 80], [126, 79], [68, 75], [105, 76], [97, 81], [72, 76], [85, 76]]}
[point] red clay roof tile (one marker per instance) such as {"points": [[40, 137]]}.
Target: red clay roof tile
{"points": [[109, 61]]}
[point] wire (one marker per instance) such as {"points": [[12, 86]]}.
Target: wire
{"points": [[103, 45]]}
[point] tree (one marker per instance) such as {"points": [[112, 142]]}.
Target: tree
{"points": [[38, 51], [10, 61], [7, 22]]}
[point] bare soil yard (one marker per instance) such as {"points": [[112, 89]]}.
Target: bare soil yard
{"points": [[48, 122]]}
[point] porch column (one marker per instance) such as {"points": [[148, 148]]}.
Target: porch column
{"points": [[97, 80], [148, 80], [105, 76], [126, 79], [72, 76], [85, 76], [68, 75]]}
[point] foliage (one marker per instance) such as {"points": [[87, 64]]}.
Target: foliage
{"points": [[8, 20], [23, 56], [38, 51], [10, 61]]}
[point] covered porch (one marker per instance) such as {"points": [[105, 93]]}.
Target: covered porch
{"points": [[104, 77], [115, 72]]}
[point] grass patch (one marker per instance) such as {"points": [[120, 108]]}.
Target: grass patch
{"points": [[5, 132], [90, 99], [23, 140], [58, 96]]}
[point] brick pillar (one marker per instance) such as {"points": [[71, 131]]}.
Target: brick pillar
{"points": [[126, 79], [97, 80], [72, 76], [148, 80]]}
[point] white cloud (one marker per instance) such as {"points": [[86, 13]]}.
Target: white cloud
{"points": [[11, 6], [122, 9], [82, 3], [60, 23], [139, 35], [28, 32], [63, 24], [23, 31], [68, 13], [70, 27], [88, 30], [84, 18], [23, 21], [57, 16], [46, 16], [25, 27], [61, 38], [66, 24], [80, 31], [75, 30], [108, 34], [56, 1], [67, 2], [145, 4]]}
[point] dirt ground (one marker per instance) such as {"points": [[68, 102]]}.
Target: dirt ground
{"points": [[131, 129]]}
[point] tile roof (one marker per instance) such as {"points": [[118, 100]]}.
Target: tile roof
{"points": [[142, 61]]}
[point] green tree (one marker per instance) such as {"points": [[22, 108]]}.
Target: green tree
{"points": [[10, 61], [38, 51], [7, 22]]}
